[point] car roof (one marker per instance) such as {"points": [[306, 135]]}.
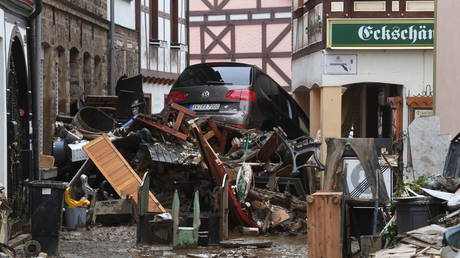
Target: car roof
{"points": [[222, 64]]}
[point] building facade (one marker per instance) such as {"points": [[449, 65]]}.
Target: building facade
{"points": [[447, 58], [250, 31], [75, 57], [15, 103], [362, 68], [126, 38], [163, 46]]}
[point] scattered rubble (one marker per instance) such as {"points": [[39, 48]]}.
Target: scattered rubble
{"points": [[264, 176], [266, 171]]}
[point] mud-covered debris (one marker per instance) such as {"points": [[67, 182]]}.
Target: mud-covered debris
{"points": [[250, 231], [187, 152], [278, 215], [236, 243]]}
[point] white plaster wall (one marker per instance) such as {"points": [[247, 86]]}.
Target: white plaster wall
{"points": [[447, 90], [3, 134], [125, 13], [145, 28], [307, 71], [158, 92], [411, 68]]}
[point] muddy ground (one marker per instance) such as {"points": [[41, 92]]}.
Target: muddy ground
{"points": [[121, 242]]}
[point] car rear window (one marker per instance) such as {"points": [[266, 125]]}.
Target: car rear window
{"points": [[214, 75]]}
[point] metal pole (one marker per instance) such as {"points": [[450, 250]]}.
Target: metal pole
{"points": [[112, 48], [376, 204]]}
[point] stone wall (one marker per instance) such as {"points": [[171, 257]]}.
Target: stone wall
{"points": [[75, 56], [126, 52]]}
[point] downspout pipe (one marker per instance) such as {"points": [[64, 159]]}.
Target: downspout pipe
{"points": [[36, 85], [37, 11]]}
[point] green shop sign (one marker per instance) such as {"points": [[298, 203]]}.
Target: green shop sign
{"points": [[380, 33]]}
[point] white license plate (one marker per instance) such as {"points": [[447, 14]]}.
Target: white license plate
{"points": [[204, 107]]}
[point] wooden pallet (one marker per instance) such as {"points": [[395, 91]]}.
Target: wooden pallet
{"points": [[117, 170]]}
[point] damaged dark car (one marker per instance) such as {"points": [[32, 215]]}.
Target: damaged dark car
{"points": [[239, 95]]}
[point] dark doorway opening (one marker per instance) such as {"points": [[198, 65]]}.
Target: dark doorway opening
{"points": [[366, 111], [18, 131]]}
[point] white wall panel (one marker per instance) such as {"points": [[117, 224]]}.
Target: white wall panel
{"points": [[161, 28], [125, 13], [167, 5], [167, 59], [167, 30], [158, 92], [161, 5]]}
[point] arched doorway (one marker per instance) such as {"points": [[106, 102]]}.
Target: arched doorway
{"points": [[18, 119], [302, 95], [63, 91], [366, 111], [97, 76], [87, 74], [76, 88]]}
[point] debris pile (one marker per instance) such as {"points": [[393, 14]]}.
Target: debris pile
{"points": [[430, 201], [266, 171]]}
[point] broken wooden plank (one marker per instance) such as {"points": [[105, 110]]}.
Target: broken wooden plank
{"points": [[432, 235], [19, 240], [113, 207], [184, 110], [269, 148], [163, 128], [422, 251], [218, 172], [285, 200], [415, 242], [117, 170], [237, 243], [401, 251]]}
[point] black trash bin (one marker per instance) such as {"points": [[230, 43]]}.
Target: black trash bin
{"points": [[416, 212], [46, 203]]}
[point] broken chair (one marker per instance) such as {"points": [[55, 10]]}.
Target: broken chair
{"points": [[173, 113], [185, 236], [151, 229], [301, 147]]}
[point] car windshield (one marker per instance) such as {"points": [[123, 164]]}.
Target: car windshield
{"points": [[215, 75]]}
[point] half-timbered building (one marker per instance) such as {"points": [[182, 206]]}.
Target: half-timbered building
{"points": [[163, 46], [251, 31], [357, 64]]}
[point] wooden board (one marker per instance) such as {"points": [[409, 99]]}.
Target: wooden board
{"points": [[324, 225], [46, 161], [120, 206], [117, 170]]}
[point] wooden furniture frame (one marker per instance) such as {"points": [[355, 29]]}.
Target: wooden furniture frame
{"points": [[418, 103]]}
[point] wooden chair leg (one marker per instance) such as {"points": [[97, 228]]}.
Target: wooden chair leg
{"points": [[196, 216], [175, 215]]}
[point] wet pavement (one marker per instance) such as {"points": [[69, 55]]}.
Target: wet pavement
{"points": [[121, 242]]}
